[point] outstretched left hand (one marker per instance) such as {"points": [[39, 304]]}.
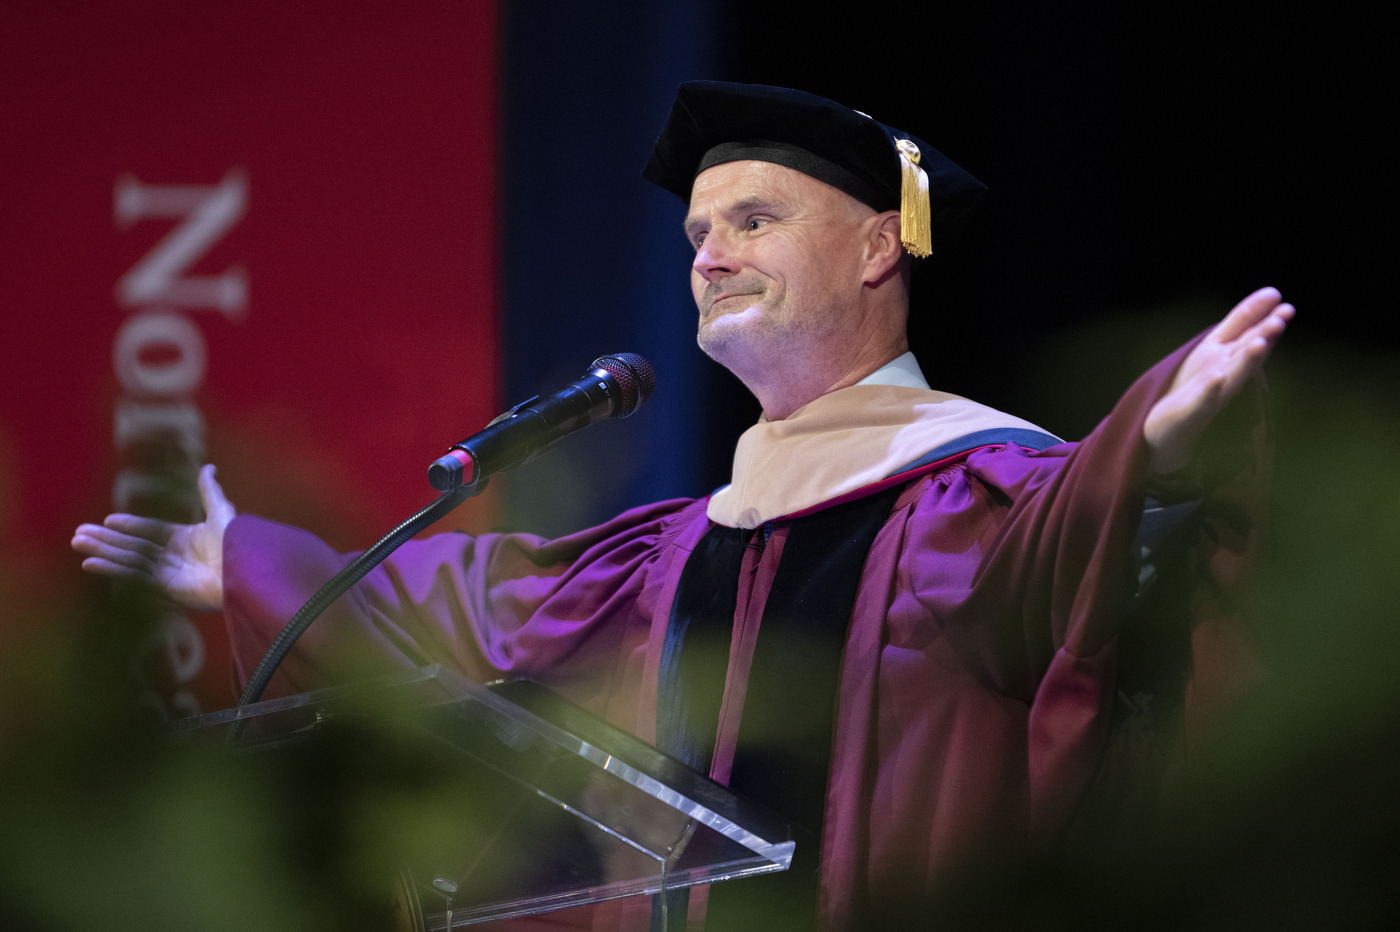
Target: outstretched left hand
{"points": [[1211, 375]]}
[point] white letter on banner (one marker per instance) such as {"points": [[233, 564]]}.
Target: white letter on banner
{"points": [[209, 212], [143, 331], [184, 648], [182, 424], [132, 485]]}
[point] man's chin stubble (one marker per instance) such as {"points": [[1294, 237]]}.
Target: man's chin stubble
{"points": [[739, 346], [725, 344]]}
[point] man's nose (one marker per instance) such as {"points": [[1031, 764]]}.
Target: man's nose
{"points": [[716, 257]]}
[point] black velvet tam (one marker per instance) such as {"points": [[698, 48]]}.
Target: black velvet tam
{"points": [[713, 122]]}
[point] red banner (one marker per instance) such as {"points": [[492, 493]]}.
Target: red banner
{"points": [[252, 233]]}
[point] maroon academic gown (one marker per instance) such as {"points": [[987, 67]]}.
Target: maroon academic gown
{"points": [[977, 675]]}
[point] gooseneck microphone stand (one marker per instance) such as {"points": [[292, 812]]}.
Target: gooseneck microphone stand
{"points": [[615, 386], [342, 581]]}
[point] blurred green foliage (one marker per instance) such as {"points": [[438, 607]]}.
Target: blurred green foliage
{"points": [[108, 820], [1289, 817]]}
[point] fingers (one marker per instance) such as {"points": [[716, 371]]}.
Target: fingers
{"points": [[1212, 374], [150, 529], [1263, 335], [113, 554], [1246, 355], [117, 570], [110, 538], [211, 494], [1248, 313], [1259, 339]]}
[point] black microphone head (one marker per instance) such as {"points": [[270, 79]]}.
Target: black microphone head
{"points": [[634, 376]]}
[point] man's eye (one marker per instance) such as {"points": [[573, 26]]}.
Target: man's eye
{"points": [[699, 240], [754, 224]]}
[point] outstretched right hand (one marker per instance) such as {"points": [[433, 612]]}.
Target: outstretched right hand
{"points": [[184, 561]]}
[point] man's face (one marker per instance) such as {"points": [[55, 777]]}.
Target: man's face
{"points": [[777, 260]]}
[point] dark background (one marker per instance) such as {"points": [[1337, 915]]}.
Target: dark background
{"points": [[1147, 166], [1137, 156]]}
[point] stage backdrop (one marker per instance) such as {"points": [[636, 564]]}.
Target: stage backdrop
{"points": [[255, 233]]}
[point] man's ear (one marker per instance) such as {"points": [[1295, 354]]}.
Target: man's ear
{"points": [[884, 248]]}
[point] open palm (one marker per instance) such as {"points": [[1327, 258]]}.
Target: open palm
{"points": [[184, 561], [1211, 375]]}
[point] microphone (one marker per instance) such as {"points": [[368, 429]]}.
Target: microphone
{"points": [[615, 386]]}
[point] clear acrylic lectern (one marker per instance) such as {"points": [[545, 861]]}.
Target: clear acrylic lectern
{"points": [[566, 809]]}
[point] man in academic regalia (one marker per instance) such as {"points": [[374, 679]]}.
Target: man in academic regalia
{"points": [[897, 625]]}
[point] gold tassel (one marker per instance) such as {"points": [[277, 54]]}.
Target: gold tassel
{"points": [[915, 215]]}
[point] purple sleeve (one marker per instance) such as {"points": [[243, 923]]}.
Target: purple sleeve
{"points": [[490, 606], [1024, 561]]}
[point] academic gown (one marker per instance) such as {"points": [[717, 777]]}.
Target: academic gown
{"points": [[978, 669]]}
